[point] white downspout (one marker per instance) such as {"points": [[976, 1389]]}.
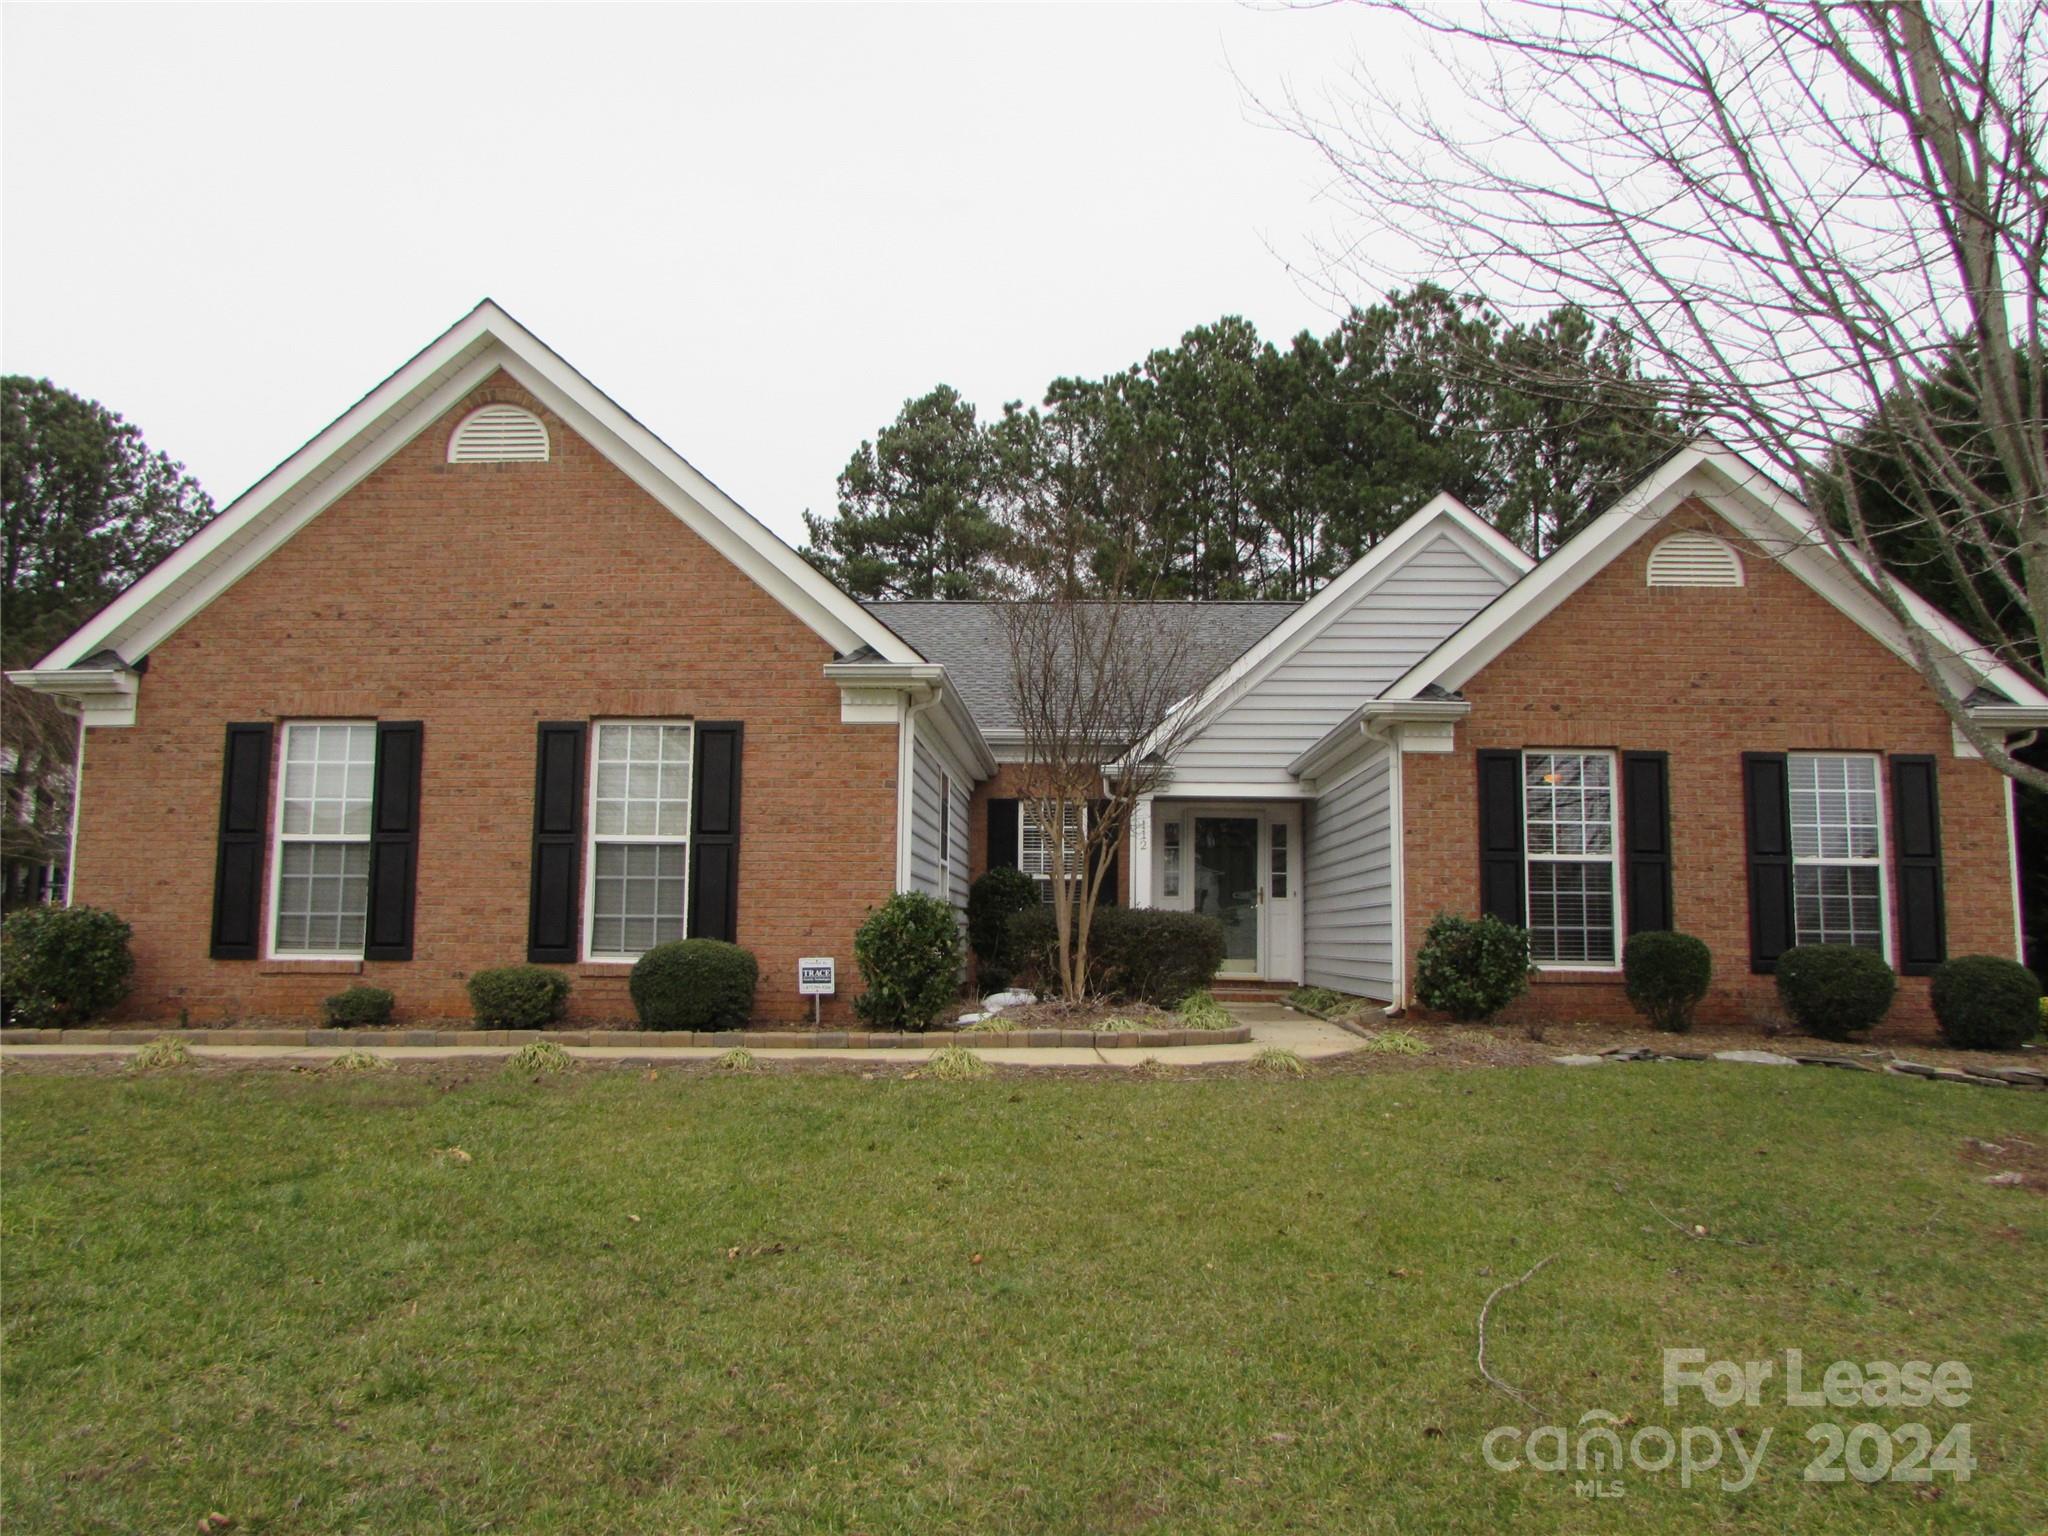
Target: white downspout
{"points": [[1397, 840]]}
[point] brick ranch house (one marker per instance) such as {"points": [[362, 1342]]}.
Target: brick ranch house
{"points": [[486, 672]]}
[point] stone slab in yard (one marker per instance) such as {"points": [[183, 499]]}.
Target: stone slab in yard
{"points": [[1580, 1061], [1757, 1058]]}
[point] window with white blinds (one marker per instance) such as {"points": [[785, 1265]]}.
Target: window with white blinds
{"points": [[639, 836]]}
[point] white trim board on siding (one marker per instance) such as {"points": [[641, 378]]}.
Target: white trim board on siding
{"points": [[1756, 507], [397, 411]]}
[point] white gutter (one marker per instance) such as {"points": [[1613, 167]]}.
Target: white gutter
{"points": [[1374, 720], [100, 695], [77, 799]]}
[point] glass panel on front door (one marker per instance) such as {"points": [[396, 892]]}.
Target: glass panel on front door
{"points": [[1227, 885]]}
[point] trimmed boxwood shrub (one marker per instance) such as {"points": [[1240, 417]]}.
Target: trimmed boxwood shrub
{"points": [[1136, 954], [359, 1005], [518, 997], [1471, 968], [1985, 1003], [1835, 990], [694, 984], [1151, 955], [992, 901], [1667, 974], [908, 951], [63, 966]]}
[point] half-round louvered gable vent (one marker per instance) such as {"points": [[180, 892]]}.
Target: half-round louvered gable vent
{"points": [[1694, 560], [495, 434]]}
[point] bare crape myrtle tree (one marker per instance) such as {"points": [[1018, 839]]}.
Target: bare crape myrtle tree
{"points": [[1826, 226]]}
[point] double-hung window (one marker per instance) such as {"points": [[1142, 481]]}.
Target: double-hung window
{"points": [[1037, 854], [1568, 832], [321, 893], [639, 859], [1837, 850]]}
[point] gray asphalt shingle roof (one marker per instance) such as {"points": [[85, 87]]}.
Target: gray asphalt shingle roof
{"points": [[968, 640]]}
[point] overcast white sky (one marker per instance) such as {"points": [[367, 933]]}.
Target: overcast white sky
{"points": [[760, 229]]}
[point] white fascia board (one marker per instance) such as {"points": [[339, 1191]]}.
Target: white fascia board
{"points": [[393, 414], [342, 439], [1755, 506], [1444, 513]]}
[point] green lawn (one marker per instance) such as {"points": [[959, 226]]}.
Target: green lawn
{"points": [[752, 1303]]}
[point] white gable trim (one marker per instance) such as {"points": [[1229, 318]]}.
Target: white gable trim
{"points": [[1443, 514], [392, 415], [1756, 507]]}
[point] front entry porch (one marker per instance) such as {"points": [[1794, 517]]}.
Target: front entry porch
{"points": [[1237, 861]]}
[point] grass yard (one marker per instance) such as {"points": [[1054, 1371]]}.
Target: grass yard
{"points": [[814, 1302]]}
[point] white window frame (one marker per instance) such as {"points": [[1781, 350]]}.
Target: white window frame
{"points": [[591, 838], [1612, 856], [1882, 862], [1173, 859], [1046, 882], [279, 837]]}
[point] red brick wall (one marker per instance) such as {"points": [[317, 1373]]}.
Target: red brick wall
{"points": [[479, 599], [1006, 785], [1705, 674]]}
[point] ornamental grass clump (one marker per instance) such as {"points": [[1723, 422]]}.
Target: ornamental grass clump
{"points": [[738, 1059], [359, 1061], [538, 1058], [161, 1055], [1278, 1061], [955, 1063], [1199, 1010]]}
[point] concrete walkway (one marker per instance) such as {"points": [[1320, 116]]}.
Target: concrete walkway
{"points": [[1271, 1025]]}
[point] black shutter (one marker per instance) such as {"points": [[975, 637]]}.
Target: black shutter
{"points": [[1916, 850], [1002, 834], [1646, 812], [238, 870], [1768, 810], [1500, 836], [715, 833], [394, 841], [552, 934]]}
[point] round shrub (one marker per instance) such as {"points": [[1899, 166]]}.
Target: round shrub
{"points": [[908, 951], [63, 966], [1983, 1003], [518, 997], [359, 1005], [1835, 990], [992, 901], [1667, 974], [694, 984], [1471, 968]]}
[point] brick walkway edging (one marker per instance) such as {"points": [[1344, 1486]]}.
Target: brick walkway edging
{"points": [[655, 1039]]}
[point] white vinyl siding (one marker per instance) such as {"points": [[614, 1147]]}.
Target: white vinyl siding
{"points": [[637, 887], [1837, 850], [1568, 838], [320, 886], [1384, 631], [938, 827], [1347, 877]]}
